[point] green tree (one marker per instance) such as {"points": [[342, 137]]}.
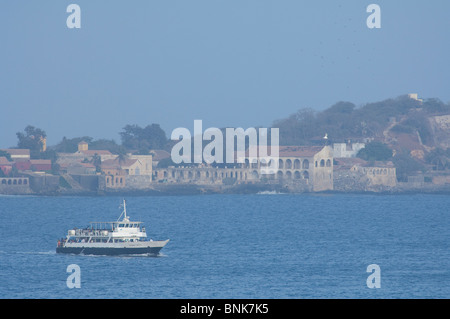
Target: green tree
{"points": [[48, 154], [122, 157], [5, 154], [436, 106], [97, 162], [439, 158], [31, 138], [105, 144], [56, 169], [298, 128], [14, 172], [70, 145], [405, 166], [166, 162], [144, 139], [375, 151]]}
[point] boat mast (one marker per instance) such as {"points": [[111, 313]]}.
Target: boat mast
{"points": [[124, 209], [124, 212]]}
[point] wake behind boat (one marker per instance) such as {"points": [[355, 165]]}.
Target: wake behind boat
{"points": [[110, 238]]}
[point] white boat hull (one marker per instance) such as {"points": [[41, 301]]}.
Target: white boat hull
{"points": [[114, 249]]}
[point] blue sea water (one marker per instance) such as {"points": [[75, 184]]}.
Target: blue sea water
{"points": [[235, 246]]}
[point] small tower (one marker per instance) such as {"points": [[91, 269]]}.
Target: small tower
{"points": [[82, 146], [43, 141]]}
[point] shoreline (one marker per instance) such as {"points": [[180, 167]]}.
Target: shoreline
{"points": [[190, 190]]}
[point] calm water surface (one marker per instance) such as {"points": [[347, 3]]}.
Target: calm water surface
{"points": [[235, 246]]}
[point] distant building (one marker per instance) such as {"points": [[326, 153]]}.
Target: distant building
{"points": [[43, 141], [41, 165], [305, 168], [380, 173], [77, 168], [83, 146], [311, 163], [355, 174], [18, 153], [83, 154], [5, 165], [23, 165], [346, 163], [83, 149], [134, 171], [132, 165], [415, 96], [341, 150], [15, 185], [159, 155]]}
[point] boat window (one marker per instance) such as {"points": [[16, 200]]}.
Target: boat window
{"points": [[120, 225]]}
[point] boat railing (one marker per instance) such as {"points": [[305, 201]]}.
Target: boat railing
{"points": [[92, 232], [89, 232], [103, 225]]}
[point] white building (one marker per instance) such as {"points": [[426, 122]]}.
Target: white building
{"points": [[347, 150]]}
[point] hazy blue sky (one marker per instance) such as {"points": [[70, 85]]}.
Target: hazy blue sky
{"points": [[236, 63]]}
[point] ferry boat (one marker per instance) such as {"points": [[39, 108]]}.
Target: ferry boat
{"points": [[122, 237]]}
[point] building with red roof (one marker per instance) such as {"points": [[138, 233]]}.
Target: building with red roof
{"points": [[5, 165], [18, 153], [41, 165]]}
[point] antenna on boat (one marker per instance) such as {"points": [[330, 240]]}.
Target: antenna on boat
{"points": [[124, 212], [124, 209]]}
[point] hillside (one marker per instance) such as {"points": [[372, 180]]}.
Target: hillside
{"points": [[418, 131]]}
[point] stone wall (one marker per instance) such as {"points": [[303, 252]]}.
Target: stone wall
{"points": [[138, 181], [366, 179], [87, 182], [205, 175], [44, 183], [124, 182], [384, 176], [15, 185]]}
